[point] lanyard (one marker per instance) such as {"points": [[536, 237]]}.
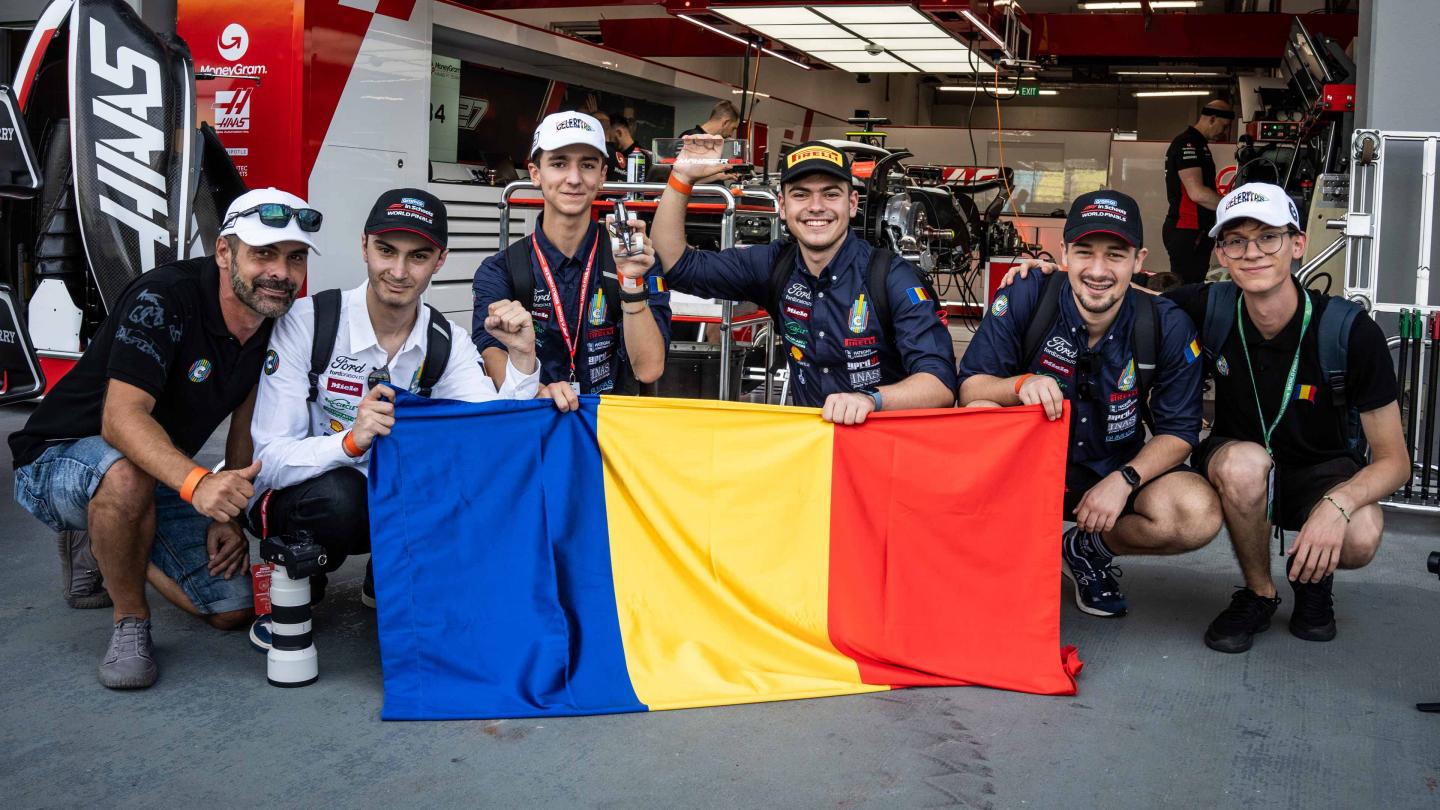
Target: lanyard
{"points": [[571, 343], [1289, 393]]}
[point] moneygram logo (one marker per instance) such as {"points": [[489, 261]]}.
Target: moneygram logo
{"points": [[234, 41]]}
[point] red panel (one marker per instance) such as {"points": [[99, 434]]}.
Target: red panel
{"points": [[963, 583], [666, 36], [54, 368], [1177, 36]]}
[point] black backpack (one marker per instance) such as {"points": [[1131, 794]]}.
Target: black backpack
{"points": [[1333, 337], [327, 325], [522, 279], [875, 275], [522, 289], [1144, 334]]}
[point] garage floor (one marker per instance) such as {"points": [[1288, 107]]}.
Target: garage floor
{"points": [[1160, 721]]}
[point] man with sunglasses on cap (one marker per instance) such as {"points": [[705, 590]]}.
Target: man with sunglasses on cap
{"points": [[315, 421], [1124, 360], [111, 448], [601, 314], [861, 337], [1190, 189], [1303, 382]]}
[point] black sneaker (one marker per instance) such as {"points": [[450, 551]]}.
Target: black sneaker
{"points": [[1233, 631], [1093, 575], [367, 588], [1313, 618]]}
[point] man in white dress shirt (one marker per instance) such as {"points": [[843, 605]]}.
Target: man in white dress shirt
{"points": [[325, 391]]}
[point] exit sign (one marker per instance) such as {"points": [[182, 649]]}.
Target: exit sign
{"points": [[1029, 90]]}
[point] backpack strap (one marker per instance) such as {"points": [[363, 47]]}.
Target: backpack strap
{"points": [[875, 283], [1334, 336], [609, 280], [327, 324], [522, 279], [1046, 310], [1219, 317], [779, 276], [1334, 343], [437, 352], [1145, 341]]}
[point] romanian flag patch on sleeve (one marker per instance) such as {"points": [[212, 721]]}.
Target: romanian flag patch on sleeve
{"points": [[917, 294], [1192, 351], [656, 283], [1305, 392]]}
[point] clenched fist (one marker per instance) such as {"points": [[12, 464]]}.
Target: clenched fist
{"points": [[509, 323]]}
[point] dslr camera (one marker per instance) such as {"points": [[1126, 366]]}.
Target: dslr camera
{"points": [[297, 553]]}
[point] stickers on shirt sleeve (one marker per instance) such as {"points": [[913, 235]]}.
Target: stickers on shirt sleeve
{"points": [[1000, 306], [272, 362]]}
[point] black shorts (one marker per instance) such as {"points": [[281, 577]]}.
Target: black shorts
{"points": [[1297, 488], [1079, 479]]}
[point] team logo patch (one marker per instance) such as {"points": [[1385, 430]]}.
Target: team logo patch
{"points": [[1192, 351], [1127, 377], [1305, 392], [859, 315], [272, 361], [814, 153], [597, 308], [795, 353], [1222, 366], [335, 426], [1001, 306], [200, 370], [917, 294], [415, 378]]}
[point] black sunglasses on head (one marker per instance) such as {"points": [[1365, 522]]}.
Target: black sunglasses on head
{"points": [[1084, 384], [278, 215]]}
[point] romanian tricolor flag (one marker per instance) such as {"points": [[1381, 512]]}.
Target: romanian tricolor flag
{"points": [[917, 294], [1192, 351], [661, 554], [1305, 392]]}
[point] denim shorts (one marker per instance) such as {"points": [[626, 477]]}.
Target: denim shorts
{"points": [[57, 487]]}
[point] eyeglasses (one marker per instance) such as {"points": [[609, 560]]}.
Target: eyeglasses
{"points": [[278, 215], [1269, 243], [378, 376]]}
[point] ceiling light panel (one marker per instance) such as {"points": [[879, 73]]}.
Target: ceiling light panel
{"points": [[908, 55], [815, 31], [861, 57], [873, 14], [812, 45], [866, 67], [905, 30], [938, 43], [955, 67], [768, 16]]}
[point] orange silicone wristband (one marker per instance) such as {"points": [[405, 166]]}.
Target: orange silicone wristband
{"points": [[679, 185], [1021, 381], [187, 489], [351, 448]]}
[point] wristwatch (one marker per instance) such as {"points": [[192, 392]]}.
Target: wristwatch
{"points": [[874, 397], [1131, 477], [640, 294]]}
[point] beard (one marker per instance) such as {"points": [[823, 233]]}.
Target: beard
{"points": [[250, 294]]}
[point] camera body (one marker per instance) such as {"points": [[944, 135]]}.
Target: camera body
{"points": [[297, 553]]}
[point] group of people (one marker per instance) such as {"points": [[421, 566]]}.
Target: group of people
{"points": [[582, 307]]}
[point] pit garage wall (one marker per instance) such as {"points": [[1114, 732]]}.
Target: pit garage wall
{"points": [[1066, 163], [339, 113]]}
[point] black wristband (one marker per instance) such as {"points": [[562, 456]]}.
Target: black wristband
{"points": [[636, 297]]}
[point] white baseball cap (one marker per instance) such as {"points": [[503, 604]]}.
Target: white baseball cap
{"points": [[242, 220], [562, 129], [1263, 202]]}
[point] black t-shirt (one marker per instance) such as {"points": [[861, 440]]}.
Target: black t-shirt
{"points": [[1189, 150], [698, 129], [1312, 429], [166, 336]]}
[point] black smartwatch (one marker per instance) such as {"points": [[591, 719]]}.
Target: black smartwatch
{"points": [[1131, 477]]}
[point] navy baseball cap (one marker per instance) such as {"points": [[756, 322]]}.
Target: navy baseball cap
{"points": [[816, 156], [410, 209], [1105, 211]]}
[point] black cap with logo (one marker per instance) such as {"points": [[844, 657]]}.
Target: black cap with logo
{"points": [[816, 156], [1105, 211], [413, 210]]}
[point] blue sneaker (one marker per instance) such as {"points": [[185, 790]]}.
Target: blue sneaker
{"points": [[260, 637], [1093, 574]]}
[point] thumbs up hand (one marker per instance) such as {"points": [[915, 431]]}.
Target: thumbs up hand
{"points": [[222, 496]]}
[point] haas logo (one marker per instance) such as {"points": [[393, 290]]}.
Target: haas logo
{"points": [[234, 41]]}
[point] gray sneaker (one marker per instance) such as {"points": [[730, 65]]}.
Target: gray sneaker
{"points": [[80, 574], [130, 661]]}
